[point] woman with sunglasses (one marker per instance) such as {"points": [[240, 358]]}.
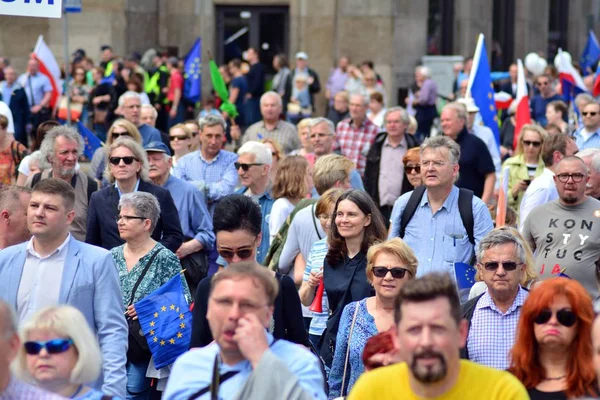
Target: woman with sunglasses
{"points": [[357, 225], [278, 156], [60, 354], [389, 266], [181, 141], [144, 265], [127, 172], [412, 169], [526, 164], [121, 127], [552, 354]]}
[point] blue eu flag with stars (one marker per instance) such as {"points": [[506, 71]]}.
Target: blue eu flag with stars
{"points": [[90, 141], [166, 321], [465, 279], [591, 54], [193, 72]]}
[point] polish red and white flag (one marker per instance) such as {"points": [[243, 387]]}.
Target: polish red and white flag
{"points": [[522, 115], [48, 67]]}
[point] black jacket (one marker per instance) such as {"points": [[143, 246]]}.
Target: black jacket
{"points": [[104, 206], [19, 107], [313, 88], [371, 177], [467, 310]]}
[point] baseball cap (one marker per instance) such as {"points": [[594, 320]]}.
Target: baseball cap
{"points": [[301, 56], [157, 147], [469, 104]]}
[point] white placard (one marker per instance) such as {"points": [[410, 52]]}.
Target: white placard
{"points": [[32, 8]]}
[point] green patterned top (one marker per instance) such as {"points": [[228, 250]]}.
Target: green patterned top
{"points": [[164, 267]]}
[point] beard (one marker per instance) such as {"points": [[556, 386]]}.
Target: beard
{"points": [[429, 374], [570, 199]]}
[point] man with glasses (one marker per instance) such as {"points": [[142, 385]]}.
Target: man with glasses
{"points": [[245, 361], [384, 161], [54, 268], [565, 233], [435, 229], [253, 167], [543, 189], [588, 136], [130, 106], [62, 147], [539, 102], [493, 316]]}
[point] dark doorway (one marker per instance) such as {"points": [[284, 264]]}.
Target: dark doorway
{"points": [[503, 35], [558, 27], [263, 28], [440, 25]]}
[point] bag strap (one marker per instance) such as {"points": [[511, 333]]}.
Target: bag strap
{"points": [[36, 178], [142, 275], [315, 221], [410, 209], [465, 208], [348, 348]]}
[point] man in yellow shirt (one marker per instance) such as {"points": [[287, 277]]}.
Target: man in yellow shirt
{"points": [[430, 334]]}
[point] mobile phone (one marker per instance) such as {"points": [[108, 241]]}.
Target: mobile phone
{"points": [[527, 181]]}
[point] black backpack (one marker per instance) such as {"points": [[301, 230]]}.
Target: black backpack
{"points": [[465, 208]]}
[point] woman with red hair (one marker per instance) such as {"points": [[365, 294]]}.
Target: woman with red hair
{"points": [[552, 354]]}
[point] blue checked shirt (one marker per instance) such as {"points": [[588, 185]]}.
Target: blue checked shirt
{"points": [[215, 179], [491, 333], [439, 240], [592, 142]]}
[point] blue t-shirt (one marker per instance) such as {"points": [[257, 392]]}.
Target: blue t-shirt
{"points": [[241, 84], [538, 108]]}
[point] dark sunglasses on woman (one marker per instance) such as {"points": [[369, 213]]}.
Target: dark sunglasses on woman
{"points": [[564, 316], [127, 160], [397, 272], [54, 346]]}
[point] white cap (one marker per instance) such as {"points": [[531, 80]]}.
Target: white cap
{"points": [[470, 104], [301, 56]]}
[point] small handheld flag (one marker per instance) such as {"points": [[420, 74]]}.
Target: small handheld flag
{"points": [[465, 279], [90, 141], [193, 72]]}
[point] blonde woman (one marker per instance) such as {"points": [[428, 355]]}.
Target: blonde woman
{"points": [[293, 182], [180, 138], [60, 354], [306, 150], [277, 153]]}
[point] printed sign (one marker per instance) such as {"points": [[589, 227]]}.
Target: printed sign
{"points": [[32, 8]]}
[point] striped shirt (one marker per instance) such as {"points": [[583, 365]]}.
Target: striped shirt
{"points": [[492, 333], [215, 178], [315, 261], [18, 390]]}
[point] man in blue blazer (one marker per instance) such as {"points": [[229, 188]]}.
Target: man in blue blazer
{"points": [[54, 268]]}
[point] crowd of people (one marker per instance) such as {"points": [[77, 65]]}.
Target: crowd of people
{"points": [[319, 255]]}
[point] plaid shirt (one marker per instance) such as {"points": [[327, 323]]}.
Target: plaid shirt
{"points": [[355, 143], [593, 141], [18, 390], [215, 179], [491, 333]]}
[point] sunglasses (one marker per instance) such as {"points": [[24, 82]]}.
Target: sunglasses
{"points": [[397, 272], [244, 167], [241, 253], [127, 160], [494, 265], [116, 135], [128, 217], [564, 178], [590, 113], [176, 138], [530, 143], [410, 168], [54, 346], [564, 316]]}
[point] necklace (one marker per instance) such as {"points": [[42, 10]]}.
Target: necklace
{"points": [[74, 395], [558, 378]]}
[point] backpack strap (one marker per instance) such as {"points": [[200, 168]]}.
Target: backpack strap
{"points": [[465, 208], [411, 207], [36, 178], [92, 186]]}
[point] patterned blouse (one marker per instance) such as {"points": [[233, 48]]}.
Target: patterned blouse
{"points": [[164, 267]]}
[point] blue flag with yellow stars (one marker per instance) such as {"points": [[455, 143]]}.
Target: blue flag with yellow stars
{"points": [[465, 279], [192, 73], [166, 321], [90, 141], [482, 90]]}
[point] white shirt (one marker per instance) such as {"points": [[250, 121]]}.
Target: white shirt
{"points": [[41, 279], [5, 110], [280, 210], [484, 133], [541, 190]]}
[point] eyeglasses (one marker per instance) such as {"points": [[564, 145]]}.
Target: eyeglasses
{"points": [[116, 135], [244, 167], [128, 217], [410, 168], [243, 253], [319, 135], [530, 143], [494, 265], [543, 83], [590, 113], [176, 138], [397, 272], [564, 178], [564, 316], [127, 160], [435, 164], [54, 346]]}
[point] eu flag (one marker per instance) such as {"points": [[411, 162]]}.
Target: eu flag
{"points": [[90, 141], [193, 72], [482, 90], [591, 54], [166, 321], [465, 278], [110, 79]]}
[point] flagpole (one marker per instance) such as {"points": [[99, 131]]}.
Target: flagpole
{"points": [[67, 68]]}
